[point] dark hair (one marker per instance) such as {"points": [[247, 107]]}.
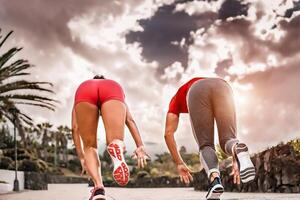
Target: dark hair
{"points": [[99, 77]]}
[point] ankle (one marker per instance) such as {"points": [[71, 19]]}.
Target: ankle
{"points": [[214, 175], [233, 149], [119, 142], [100, 185]]}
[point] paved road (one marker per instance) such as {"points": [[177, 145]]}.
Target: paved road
{"points": [[81, 192]]}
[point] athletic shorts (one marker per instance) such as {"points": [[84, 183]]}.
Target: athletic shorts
{"points": [[98, 91]]}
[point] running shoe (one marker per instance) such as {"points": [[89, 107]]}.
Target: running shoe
{"points": [[121, 171], [246, 167], [215, 189], [97, 194]]}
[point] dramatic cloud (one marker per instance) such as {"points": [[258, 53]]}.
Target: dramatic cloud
{"points": [[169, 29], [71, 41], [243, 39]]}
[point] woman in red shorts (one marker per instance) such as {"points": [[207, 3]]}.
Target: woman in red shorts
{"points": [[95, 96]]}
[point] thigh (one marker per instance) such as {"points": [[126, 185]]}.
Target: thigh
{"points": [[224, 109], [113, 115], [201, 113], [87, 116]]}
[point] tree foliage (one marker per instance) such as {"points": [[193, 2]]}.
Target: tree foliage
{"points": [[16, 90]]}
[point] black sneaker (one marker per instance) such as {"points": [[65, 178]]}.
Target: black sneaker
{"points": [[97, 194], [246, 167], [215, 189]]}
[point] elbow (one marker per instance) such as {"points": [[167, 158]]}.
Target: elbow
{"points": [[169, 134], [129, 121], [74, 130], [166, 138]]}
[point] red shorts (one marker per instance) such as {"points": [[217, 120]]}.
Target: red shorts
{"points": [[98, 91]]}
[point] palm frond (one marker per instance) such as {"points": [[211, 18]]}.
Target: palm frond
{"points": [[29, 97], [37, 105], [8, 55], [26, 119], [19, 116], [24, 85], [5, 38], [15, 69], [9, 90]]}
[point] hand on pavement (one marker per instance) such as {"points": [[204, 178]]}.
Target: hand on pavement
{"points": [[184, 173], [235, 171], [141, 156]]}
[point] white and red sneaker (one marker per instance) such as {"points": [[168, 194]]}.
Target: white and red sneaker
{"points": [[121, 171], [97, 194]]}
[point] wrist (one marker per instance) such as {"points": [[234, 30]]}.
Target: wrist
{"points": [[179, 163], [80, 156], [139, 145]]}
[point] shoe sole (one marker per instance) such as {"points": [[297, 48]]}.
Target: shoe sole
{"points": [[247, 169], [247, 174], [99, 197], [215, 193], [121, 170]]}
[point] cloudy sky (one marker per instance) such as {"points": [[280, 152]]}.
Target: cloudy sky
{"points": [[153, 46]]}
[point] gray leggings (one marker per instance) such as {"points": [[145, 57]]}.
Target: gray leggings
{"points": [[209, 100]]}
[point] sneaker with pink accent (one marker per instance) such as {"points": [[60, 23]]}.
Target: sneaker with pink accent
{"points": [[97, 194], [121, 172]]}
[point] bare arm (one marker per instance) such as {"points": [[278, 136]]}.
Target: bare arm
{"points": [[171, 126], [130, 123], [140, 153], [76, 136]]}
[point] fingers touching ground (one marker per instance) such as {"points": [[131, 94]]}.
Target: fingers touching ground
{"points": [[187, 178], [141, 156], [142, 161], [235, 173], [184, 173]]}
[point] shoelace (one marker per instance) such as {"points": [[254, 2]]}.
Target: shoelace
{"points": [[92, 191]]}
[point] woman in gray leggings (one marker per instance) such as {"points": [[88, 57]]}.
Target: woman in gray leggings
{"points": [[207, 100]]}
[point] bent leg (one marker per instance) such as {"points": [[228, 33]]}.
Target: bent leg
{"points": [[87, 116], [202, 120], [224, 109], [113, 115]]}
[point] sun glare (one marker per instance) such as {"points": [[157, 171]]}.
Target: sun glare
{"points": [[242, 94]]}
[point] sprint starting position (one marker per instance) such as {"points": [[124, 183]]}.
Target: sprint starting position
{"points": [[107, 96], [207, 100]]}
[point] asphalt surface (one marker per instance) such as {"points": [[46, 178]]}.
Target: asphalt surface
{"points": [[82, 192]]}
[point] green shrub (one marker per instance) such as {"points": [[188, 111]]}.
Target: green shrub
{"points": [[29, 165], [43, 166], [154, 172], [143, 174], [296, 145], [74, 165], [220, 153], [23, 157], [5, 162], [55, 171]]}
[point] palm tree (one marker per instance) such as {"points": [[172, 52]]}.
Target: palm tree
{"points": [[63, 134], [13, 88], [47, 139], [44, 129]]}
